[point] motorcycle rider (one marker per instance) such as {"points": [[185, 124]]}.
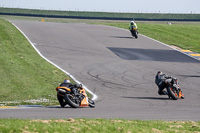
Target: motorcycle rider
{"points": [[132, 24], [160, 82], [74, 88]]}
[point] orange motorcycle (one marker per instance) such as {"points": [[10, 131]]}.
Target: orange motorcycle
{"points": [[66, 96], [174, 89]]}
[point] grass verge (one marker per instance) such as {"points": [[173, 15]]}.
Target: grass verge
{"points": [[97, 125]]}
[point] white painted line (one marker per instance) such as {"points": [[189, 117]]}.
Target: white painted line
{"points": [[94, 95]]}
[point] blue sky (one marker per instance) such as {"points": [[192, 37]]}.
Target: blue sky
{"points": [[144, 6]]}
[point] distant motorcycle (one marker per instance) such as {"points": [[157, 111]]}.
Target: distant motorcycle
{"points": [[65, 96], [173, 89], [134, 32]]}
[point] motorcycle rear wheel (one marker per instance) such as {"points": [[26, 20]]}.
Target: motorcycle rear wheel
{"points": [[61, 100], [71, 100], [172, 94]]}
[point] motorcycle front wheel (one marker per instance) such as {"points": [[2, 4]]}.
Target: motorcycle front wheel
{"points": [[72, 100], [91, 103], [134, 34], [172, 93]]}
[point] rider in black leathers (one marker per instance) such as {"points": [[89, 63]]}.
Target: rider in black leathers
{"points": [[160, 82]]}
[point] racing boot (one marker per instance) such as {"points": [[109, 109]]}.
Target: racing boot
{"points": [[182, 95]]}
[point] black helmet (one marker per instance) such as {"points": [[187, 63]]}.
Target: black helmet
{"points": [[159, 72]]}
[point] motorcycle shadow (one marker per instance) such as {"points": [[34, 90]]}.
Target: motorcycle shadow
{"points": [[190, 76], [150, 98], [123, 37], [58, 106], [68, 107]]}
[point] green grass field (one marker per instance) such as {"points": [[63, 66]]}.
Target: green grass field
{"points": [[97, 126]]}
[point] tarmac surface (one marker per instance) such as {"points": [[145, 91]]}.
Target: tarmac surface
{"points": [[119, 69]]}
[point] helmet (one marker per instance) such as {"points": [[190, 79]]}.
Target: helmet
{"points": [[132, 22], [66, 81], [159, 72]]}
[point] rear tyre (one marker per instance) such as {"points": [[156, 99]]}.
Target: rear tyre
{"points": [[91, 103], [172, 93], [61, 100], [72, 100]]}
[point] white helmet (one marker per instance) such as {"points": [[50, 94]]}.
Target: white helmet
{"points": [[67, 81], [132, 22]]}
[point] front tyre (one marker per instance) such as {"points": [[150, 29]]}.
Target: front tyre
{"points": [[172, 93], [135, 34], [72, 100], [91, 103]]}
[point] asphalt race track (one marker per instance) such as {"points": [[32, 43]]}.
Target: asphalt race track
{"points": [[119, 69]]}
